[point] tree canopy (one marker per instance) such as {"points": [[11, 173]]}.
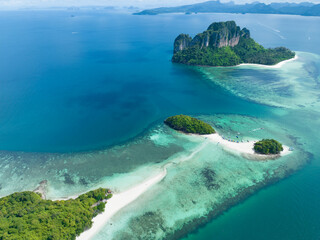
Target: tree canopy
{"points": [[268, 146], [25, 215], [189, 124]]}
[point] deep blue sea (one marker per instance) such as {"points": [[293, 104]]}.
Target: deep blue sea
{"points": [[96, 79], [79, 81]]}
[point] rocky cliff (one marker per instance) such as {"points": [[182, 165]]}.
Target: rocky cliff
{"points": [[225, 44], [218, 34]]}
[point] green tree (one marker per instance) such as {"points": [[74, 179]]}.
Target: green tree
{"points": [[189, 124], [25, 215], [268, 146]]}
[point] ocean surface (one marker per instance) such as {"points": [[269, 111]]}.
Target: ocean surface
{"points": [[83, 96]]}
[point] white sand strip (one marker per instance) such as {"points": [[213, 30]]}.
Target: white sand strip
{"points": [[118, 201], [278, 65], [122, 199], [240, 147]]}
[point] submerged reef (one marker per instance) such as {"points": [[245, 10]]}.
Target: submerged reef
{"points": [[202, 184]]}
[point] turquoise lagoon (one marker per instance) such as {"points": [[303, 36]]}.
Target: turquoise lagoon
{"points": [[82, 103]]}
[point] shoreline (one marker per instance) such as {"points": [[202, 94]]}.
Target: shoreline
{"points": [[278, 65], [244, 148], [122, 199], [119, 201]]}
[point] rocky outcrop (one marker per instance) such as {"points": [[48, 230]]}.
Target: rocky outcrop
{"points": [[182, 42], [218, 34]]}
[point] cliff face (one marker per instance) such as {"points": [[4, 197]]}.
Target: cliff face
{"points": [[182, 42], [219, 34], [225, 44]]}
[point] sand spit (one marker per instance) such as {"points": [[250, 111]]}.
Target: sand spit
{"points": [[278, 65], [245, 148], [122, 199]]}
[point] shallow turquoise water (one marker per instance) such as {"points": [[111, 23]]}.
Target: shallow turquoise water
{"points": [[105, 81]]}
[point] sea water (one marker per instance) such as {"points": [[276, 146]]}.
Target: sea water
{"points": [[82, 104]]}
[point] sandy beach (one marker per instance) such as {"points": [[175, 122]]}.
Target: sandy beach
{"points": [[118, 201], [245, 148], [122, 199], [278, 65]]}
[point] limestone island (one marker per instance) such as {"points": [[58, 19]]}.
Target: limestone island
{"points": [[26, 215], [225, 44], [258, 150]]}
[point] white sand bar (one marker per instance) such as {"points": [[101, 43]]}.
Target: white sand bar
{"points": [[118, 201], [122, 199], [278, 65], [245, 147]]}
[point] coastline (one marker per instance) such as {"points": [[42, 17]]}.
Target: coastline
{"points": [[119, 201], [122, 199], [244, 148], [278, 65]]}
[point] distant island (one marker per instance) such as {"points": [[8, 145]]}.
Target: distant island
{"points": [[25, 215], [304, 8], [189, 124], [225, 44], [268, 146]]}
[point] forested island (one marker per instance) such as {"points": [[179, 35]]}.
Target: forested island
{"points": [[268, 146], [189, 124], [25, 215], [225, 44]]}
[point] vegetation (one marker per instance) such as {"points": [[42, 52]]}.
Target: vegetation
{"points": [[225, 44], [189, 125], [25, 215], [251, 52], [224, 56], [268, 146]]}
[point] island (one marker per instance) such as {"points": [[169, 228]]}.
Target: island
{"points": [[25, 215], [258, 150], [189, 124], [288, 8], [225, 44], [268, 146]]}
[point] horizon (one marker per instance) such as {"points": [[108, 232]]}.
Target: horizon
{"points": [[142, 4]]}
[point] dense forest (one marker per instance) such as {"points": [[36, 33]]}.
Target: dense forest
{"points": [[268, 146], [25, 215], [189, 124]]}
